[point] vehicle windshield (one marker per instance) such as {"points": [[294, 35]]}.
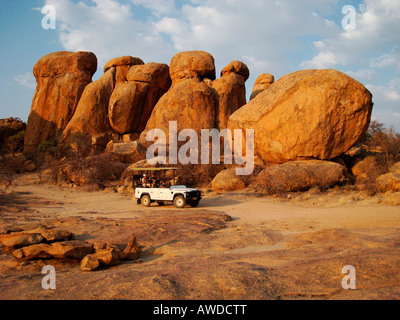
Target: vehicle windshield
{"points": [[178, 187]]}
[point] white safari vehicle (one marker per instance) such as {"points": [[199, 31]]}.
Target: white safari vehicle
{"points": [[180, 196], [162, 191]]}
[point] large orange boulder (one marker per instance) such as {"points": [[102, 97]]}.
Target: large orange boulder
{"points": [[192, 64], [309, 114], [263, 82], [227, 180], [299, 176], [122, 65], [126, 106], [91, 115], [231, 90], [388, 182], [133, 101], [61, 78], [191, 103]]}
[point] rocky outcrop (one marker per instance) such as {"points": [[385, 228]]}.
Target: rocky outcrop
{"points": [[310, 114], [48, 243], [91, 115], [130, 152], [192, 64], [61, 78], [107, 254], [126, 106], [388, 182], [133, 101], [299, 176], [395, 168], [74, 249], [231, 90], [35, 236], [122, 65], [21, 239], [191, 103], [157, 78], [263, 82], [367, 165], [227, 180]]}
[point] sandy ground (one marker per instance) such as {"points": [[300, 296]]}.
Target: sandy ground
{"points": [[270, 249]]}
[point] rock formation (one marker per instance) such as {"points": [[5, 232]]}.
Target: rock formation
{"points": [[367, 166], [133, 101], [61, 78], [263, 82], [231, 90], [192, 64], [91, 115], [299, 176], [122, 65], [227, 180], [388, 182], [309, 114], [395, 168]]}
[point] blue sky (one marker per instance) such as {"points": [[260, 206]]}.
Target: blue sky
{"points": [[274, 36]]}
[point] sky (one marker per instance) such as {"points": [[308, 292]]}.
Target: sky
{"points": [[360, 38]]}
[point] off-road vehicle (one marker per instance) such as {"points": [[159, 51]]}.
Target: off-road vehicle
{"points": [[162, 191]]}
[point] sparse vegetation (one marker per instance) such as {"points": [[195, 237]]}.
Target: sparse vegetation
{"points": [[383, 142], [16, 141]]}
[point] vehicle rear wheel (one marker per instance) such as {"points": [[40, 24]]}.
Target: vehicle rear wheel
{"points": [[146, 201], [194, 204], [180, 202]]}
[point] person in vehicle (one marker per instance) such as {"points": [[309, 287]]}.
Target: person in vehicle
{"points": [[145, 181], [153, 181]]}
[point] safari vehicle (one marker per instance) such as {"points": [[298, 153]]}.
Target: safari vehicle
{"points": [[162, 191]]}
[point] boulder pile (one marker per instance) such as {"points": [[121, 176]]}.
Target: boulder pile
{"points": [[309, 114], [48, 243], [306, 116]]}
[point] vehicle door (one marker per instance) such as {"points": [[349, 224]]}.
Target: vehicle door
{"points": [[165, 194]]}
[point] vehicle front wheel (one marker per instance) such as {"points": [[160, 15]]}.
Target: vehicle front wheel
{"points": [[146, 201], [180, 202]]}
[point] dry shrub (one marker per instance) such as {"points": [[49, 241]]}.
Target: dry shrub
{"points": [[198, 175], [94, 170], [7, 171], [384, 143], [104, 168], [270, 184]]}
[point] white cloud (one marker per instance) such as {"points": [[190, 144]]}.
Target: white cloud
{"points": [[377, 25], [26, 80], [157, 7], [387, 102], [265, 34], [258, 32], [363, 74], [388, 92], [391, 59], [107, 28]]}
